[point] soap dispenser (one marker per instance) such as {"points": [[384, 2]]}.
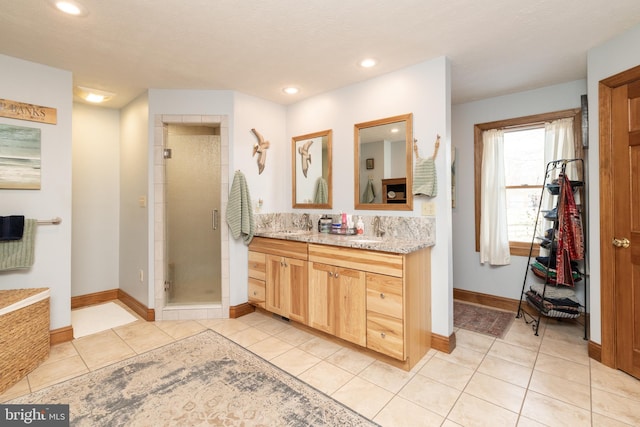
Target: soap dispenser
{"points": [[360, 226]]}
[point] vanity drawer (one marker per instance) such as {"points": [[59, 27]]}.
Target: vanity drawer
{"points": [[385, 335], [279, 247], [384, 295], [257, 292], [357, 259], [257, 265]]}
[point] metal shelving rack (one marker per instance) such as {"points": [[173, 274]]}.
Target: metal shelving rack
{"points": [[548, 242]]}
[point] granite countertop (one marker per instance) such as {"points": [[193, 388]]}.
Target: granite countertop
{"points": [[358, 241]]}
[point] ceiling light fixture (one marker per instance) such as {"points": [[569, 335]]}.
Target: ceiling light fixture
{"points": [[368, 63], [291, 90], [95, 96], [70, 7]]}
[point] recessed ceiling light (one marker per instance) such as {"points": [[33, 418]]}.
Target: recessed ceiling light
{"points": [[291, 90], [95, 96], [70, 7], [368, 63], [395, 130]]}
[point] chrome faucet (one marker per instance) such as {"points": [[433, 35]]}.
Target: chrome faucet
{"points": [[306, 222], [377, 228]]}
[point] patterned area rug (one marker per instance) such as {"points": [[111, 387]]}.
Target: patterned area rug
{"points": [[482, 319], [201, 380]]}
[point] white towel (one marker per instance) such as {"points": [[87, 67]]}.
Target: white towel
{"points": [[240, 210]]}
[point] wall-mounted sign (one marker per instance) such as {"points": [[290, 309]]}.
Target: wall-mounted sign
{"points": [[33, 113]]}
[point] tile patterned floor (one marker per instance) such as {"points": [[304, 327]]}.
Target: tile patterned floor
{"points": [[521, 380]]}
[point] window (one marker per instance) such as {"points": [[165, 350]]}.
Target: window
{"points": [[524, 175], [524, 157]]}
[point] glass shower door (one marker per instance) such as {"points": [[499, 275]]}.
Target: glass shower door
{"points": [[192, 217]]}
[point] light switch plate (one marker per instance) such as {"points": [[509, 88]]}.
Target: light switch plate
{"points": [[429, 209]]}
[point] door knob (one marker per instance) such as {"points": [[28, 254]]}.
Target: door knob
{"points": [[621, 243]]}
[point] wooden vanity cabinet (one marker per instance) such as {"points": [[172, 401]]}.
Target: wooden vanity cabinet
{"points": [[257, 269], [377, 300], [286, 277], [385, 315], [337, 299], [396, 300]]}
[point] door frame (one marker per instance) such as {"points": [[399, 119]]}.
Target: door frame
{"points": [[157, 218], [607, 253]]}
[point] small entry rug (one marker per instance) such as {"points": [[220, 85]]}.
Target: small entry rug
{"points": [[203, 380], [485, 320], [98, 318]]}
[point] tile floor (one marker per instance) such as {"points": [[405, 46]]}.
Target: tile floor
{"points": [[520, 380]]}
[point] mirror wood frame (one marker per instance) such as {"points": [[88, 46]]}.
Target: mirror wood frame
{"points": [[408, 206], [295, 160]]}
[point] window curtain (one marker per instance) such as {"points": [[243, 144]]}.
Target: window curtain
{"points": [[559, 144], [494, 239]]}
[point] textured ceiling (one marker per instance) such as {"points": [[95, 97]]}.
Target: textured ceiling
{"points": [[257, 47]]}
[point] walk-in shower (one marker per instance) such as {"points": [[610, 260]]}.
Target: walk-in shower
{"points": [[192, 217]]}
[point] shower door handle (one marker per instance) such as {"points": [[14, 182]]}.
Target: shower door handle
{"points": [[214, 223]]}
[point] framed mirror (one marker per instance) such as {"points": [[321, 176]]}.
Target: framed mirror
{"points": [[311, 170], [383, 165]]}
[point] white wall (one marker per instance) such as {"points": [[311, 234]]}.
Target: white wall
{"points": [[423, 90], [273, 185], [619, 54], [244, 113], [469, 274], [96, 199], [37, 84], [134, 226]]}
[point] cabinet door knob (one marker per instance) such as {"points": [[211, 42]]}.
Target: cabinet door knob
{"points": [[281, 264], [255, 293], [381, 295], [335, 275], [383, 335]]}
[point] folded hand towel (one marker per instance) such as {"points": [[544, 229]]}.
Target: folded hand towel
{"points": [[425, 181], [240, 210], [16, 254], [11, 227]]}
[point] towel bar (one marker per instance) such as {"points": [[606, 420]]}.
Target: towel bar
{"points": [[52, 221]]}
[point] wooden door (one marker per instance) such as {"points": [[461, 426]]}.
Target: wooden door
{"points": [[625, 134], [276, 298], [321, 307], [351, 309], [298, 289]]}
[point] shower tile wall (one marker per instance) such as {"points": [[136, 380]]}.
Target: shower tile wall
{"points": [[160, 135]]}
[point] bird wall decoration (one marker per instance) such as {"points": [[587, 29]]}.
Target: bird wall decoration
{"points": [[305, 157], [260, 147]]}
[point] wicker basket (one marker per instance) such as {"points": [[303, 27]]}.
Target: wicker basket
{"points": [[24, 333]]}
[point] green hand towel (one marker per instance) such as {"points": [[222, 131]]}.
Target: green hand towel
{"points": [[369, 194], [240, 210], [425, 180], [322, 192], [16, 254]]}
